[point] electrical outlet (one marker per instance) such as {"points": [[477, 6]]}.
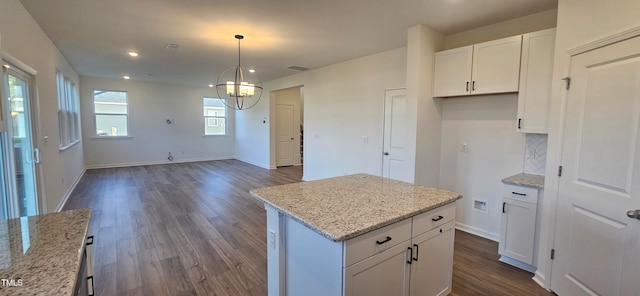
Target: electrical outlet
{"points": [[464, 148], [531, 153], [272, 239]]}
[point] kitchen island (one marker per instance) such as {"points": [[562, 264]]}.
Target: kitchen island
{"points": [[358, 235], [44, 254]]}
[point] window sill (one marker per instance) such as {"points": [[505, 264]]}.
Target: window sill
{"points": [[111, 137], [214, 136], [65, 147]]}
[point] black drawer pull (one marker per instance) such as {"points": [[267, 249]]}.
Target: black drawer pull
{"points": [[384, 241], [504, 204], [437, 219], [521, 194], [89, 240], [467, 86]]}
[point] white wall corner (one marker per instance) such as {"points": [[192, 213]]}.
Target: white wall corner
{"points": [[424, 116], [63, 202]]}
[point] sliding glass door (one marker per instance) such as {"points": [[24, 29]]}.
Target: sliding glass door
{"points": [[19, 156]]}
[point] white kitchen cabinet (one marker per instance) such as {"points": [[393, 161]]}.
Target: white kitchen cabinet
{"points": [[427, 259], [432, 267], [518, 226], [382, 274], [535, 81], [483, 68], [452, 72], [411, 257]]}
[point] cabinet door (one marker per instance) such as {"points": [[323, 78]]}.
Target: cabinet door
{"points": [[517, 231], [383, 274], [452, 72], [496, 66], [432, 268], [535, 81]]}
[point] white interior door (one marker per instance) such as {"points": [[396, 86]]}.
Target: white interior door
{"points": [[285, 137], [393, 159], [597, 247]]}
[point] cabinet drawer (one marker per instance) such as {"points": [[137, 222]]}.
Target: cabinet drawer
{"points": [[434, 218], [521, 193], [368, 244]]}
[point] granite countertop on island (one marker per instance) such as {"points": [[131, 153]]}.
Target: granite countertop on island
{"points": [[42, 254], [344, 207], [529, 180]]}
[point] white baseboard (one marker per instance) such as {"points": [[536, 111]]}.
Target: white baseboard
{"points": [[518, 264], [477, 231], [69, 191], [539, 278], [128, 164]]}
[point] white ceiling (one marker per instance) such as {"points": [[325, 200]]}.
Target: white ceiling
{"points": [[95, 35]]}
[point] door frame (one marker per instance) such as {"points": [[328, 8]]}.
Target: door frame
{"points": [[384, 122], [34, 101], [554, 160], [273, 102]]}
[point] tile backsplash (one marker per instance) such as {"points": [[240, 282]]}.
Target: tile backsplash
{"points": [[535, 143]]}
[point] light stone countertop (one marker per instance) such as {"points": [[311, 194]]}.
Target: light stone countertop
{"points": [[529, 180], [344, 207], [43, 251]]}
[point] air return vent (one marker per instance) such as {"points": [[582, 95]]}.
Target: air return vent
{"points": [[172, 46], [298, 68]]}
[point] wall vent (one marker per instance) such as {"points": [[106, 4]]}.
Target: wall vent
{"points": [[298, 68], [172, 46]]}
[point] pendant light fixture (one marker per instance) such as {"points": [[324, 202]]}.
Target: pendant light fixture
{"points": [[239, 87]]}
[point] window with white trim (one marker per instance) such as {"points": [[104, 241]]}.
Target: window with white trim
{"points": [[215, 117], [68, 112], [111, 111]]}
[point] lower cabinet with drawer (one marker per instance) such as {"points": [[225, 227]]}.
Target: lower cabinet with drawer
{"points": [[412, 257], [420, 263], [518, 226]]}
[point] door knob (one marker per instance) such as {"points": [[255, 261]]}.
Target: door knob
{"points": [[634, 214], [386, 153]]}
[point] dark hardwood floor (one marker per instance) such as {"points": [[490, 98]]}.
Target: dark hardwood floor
{"points": [[193, 229]]}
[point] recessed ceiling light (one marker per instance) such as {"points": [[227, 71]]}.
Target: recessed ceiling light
{"points": [[126, 77], [252, 70], [210, 85], [133, 53], [6, 66]]}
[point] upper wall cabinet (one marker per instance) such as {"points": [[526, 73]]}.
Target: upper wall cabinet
{"points": [[535, 81], [484, 68]]}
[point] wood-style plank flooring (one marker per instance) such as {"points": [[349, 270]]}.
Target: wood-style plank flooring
{"points": [[193, 229]]}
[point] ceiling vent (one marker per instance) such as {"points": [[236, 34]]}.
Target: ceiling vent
{"points": [[172, 46], [298, 68]]}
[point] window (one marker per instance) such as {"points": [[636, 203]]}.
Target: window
{"points": [[215, 117], [68, 111], [112, 111]]}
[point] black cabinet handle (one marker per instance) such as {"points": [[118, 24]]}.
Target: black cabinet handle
{"points": [[521, 194], [503, 205], [410, 254], [519, 123], [417, 249], [93, 287], [384, 241], [89, 240], [467, 86], [437, 219], [473, 85]]}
